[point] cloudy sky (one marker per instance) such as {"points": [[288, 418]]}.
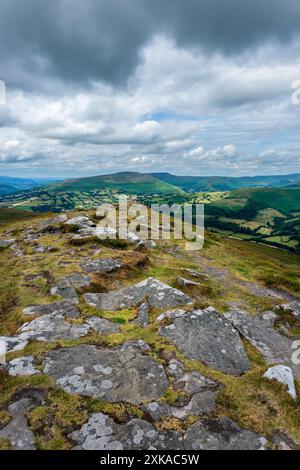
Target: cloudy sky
{"points": [[198, 87]]}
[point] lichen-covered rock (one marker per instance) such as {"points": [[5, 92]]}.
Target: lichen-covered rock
{"points": [[293, 308], [60, 219], [157, 293], [208, 337], [101, 266], [80, 221], [143, 315], [22, 366], [17, 431], [103, 326], [183, 282], [194, 382], [102, 433], [221, 434], [284, 375], [268, 318], [157, 410], [78, 280], [43, 249], [276, 348], [110, 374], [63, 308], [200, 403], [65, 289]]}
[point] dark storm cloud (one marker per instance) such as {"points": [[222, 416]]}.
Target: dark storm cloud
{"points": [[77, 41]]}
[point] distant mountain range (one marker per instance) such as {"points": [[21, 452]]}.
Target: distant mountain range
{"points": [[10, 185]]}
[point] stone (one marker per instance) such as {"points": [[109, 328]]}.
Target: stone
{"points": [[43, 249], [16, 251], [171, 315], [7, 243], [193, 272], [81, 221], [51, 328], [293, 308], [284, 375], [183, 282], [175, 368], [65, 289], [143, 315], [17, 431], [268, 318], [101, 266], [275, 348], [210, 338], [113, 375], [63, 308], [157, 410], [103, 326], [157, 293], [78, 280], [194, 382], [102, 433], [201, 403], [222, 434], [22, 366], [148, 244]]}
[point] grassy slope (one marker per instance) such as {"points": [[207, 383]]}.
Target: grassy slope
{"points": [[10, 216], [128, 182]]}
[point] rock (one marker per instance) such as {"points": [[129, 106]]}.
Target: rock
{"points": [[51, 328], [138, 344], [276, 348], [182, 281], [105, 232], [63, 308], [113, 375], [65, 289], [16, 251], [103, 326], [43, 249], [14, 343], [60, 219], [157, 410], [17, 431], [78, 280], [268, 318], [102, 433], [201, 403], [283, 441], [221, 434], [7, 243], [81, 221], [157, 293], [293, 308], [143, 315], [208, 337], [175, 368], [171, 315], [148, 244], [101, 266], [22, 366], [193, 272], [284, 375], [193, 382]]}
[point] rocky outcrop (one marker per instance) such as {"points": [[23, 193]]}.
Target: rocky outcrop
{"points": [[110, 374], [22, 366], [208, 337], [103, 326], [284, 375], [101, 266], [17, 431], [158, 295], [66, 309]]}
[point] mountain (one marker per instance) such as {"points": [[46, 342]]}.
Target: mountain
{"points": [[127, 182], [225, 183], [10, 185]]}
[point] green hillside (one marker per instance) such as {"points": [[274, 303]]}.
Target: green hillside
{"points": [[127, 182]]}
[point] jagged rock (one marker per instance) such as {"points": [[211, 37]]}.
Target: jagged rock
{"points": [[60, 219], [201, 403], [110, 374], [16, 251], [103, 326], [17, 431], [208, 337], [175, 368], [51, 328], [63, 308], [102, 433], [276, 348], [157, 410], [81, 221], [293, 308], [193, 382], [65, 289], [284, 375], [22, 366], [182, 281], [157, 293], [7, 243], [101, 266], [13, 343], [268, 318], [221, 434], [143, 315], [171, 315]]}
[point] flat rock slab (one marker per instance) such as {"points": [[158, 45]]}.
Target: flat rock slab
{"points": [[103, 326], [65, 289], [114, 375], [63, 308], [81, 221], [22, 366], [157, 293], [275, 348], [222, 434], [17, 430], [102, 433], [209, 338], [78, 280], [101, 266]]}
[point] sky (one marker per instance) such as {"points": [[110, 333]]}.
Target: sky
{"points": [[193, 87]]}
